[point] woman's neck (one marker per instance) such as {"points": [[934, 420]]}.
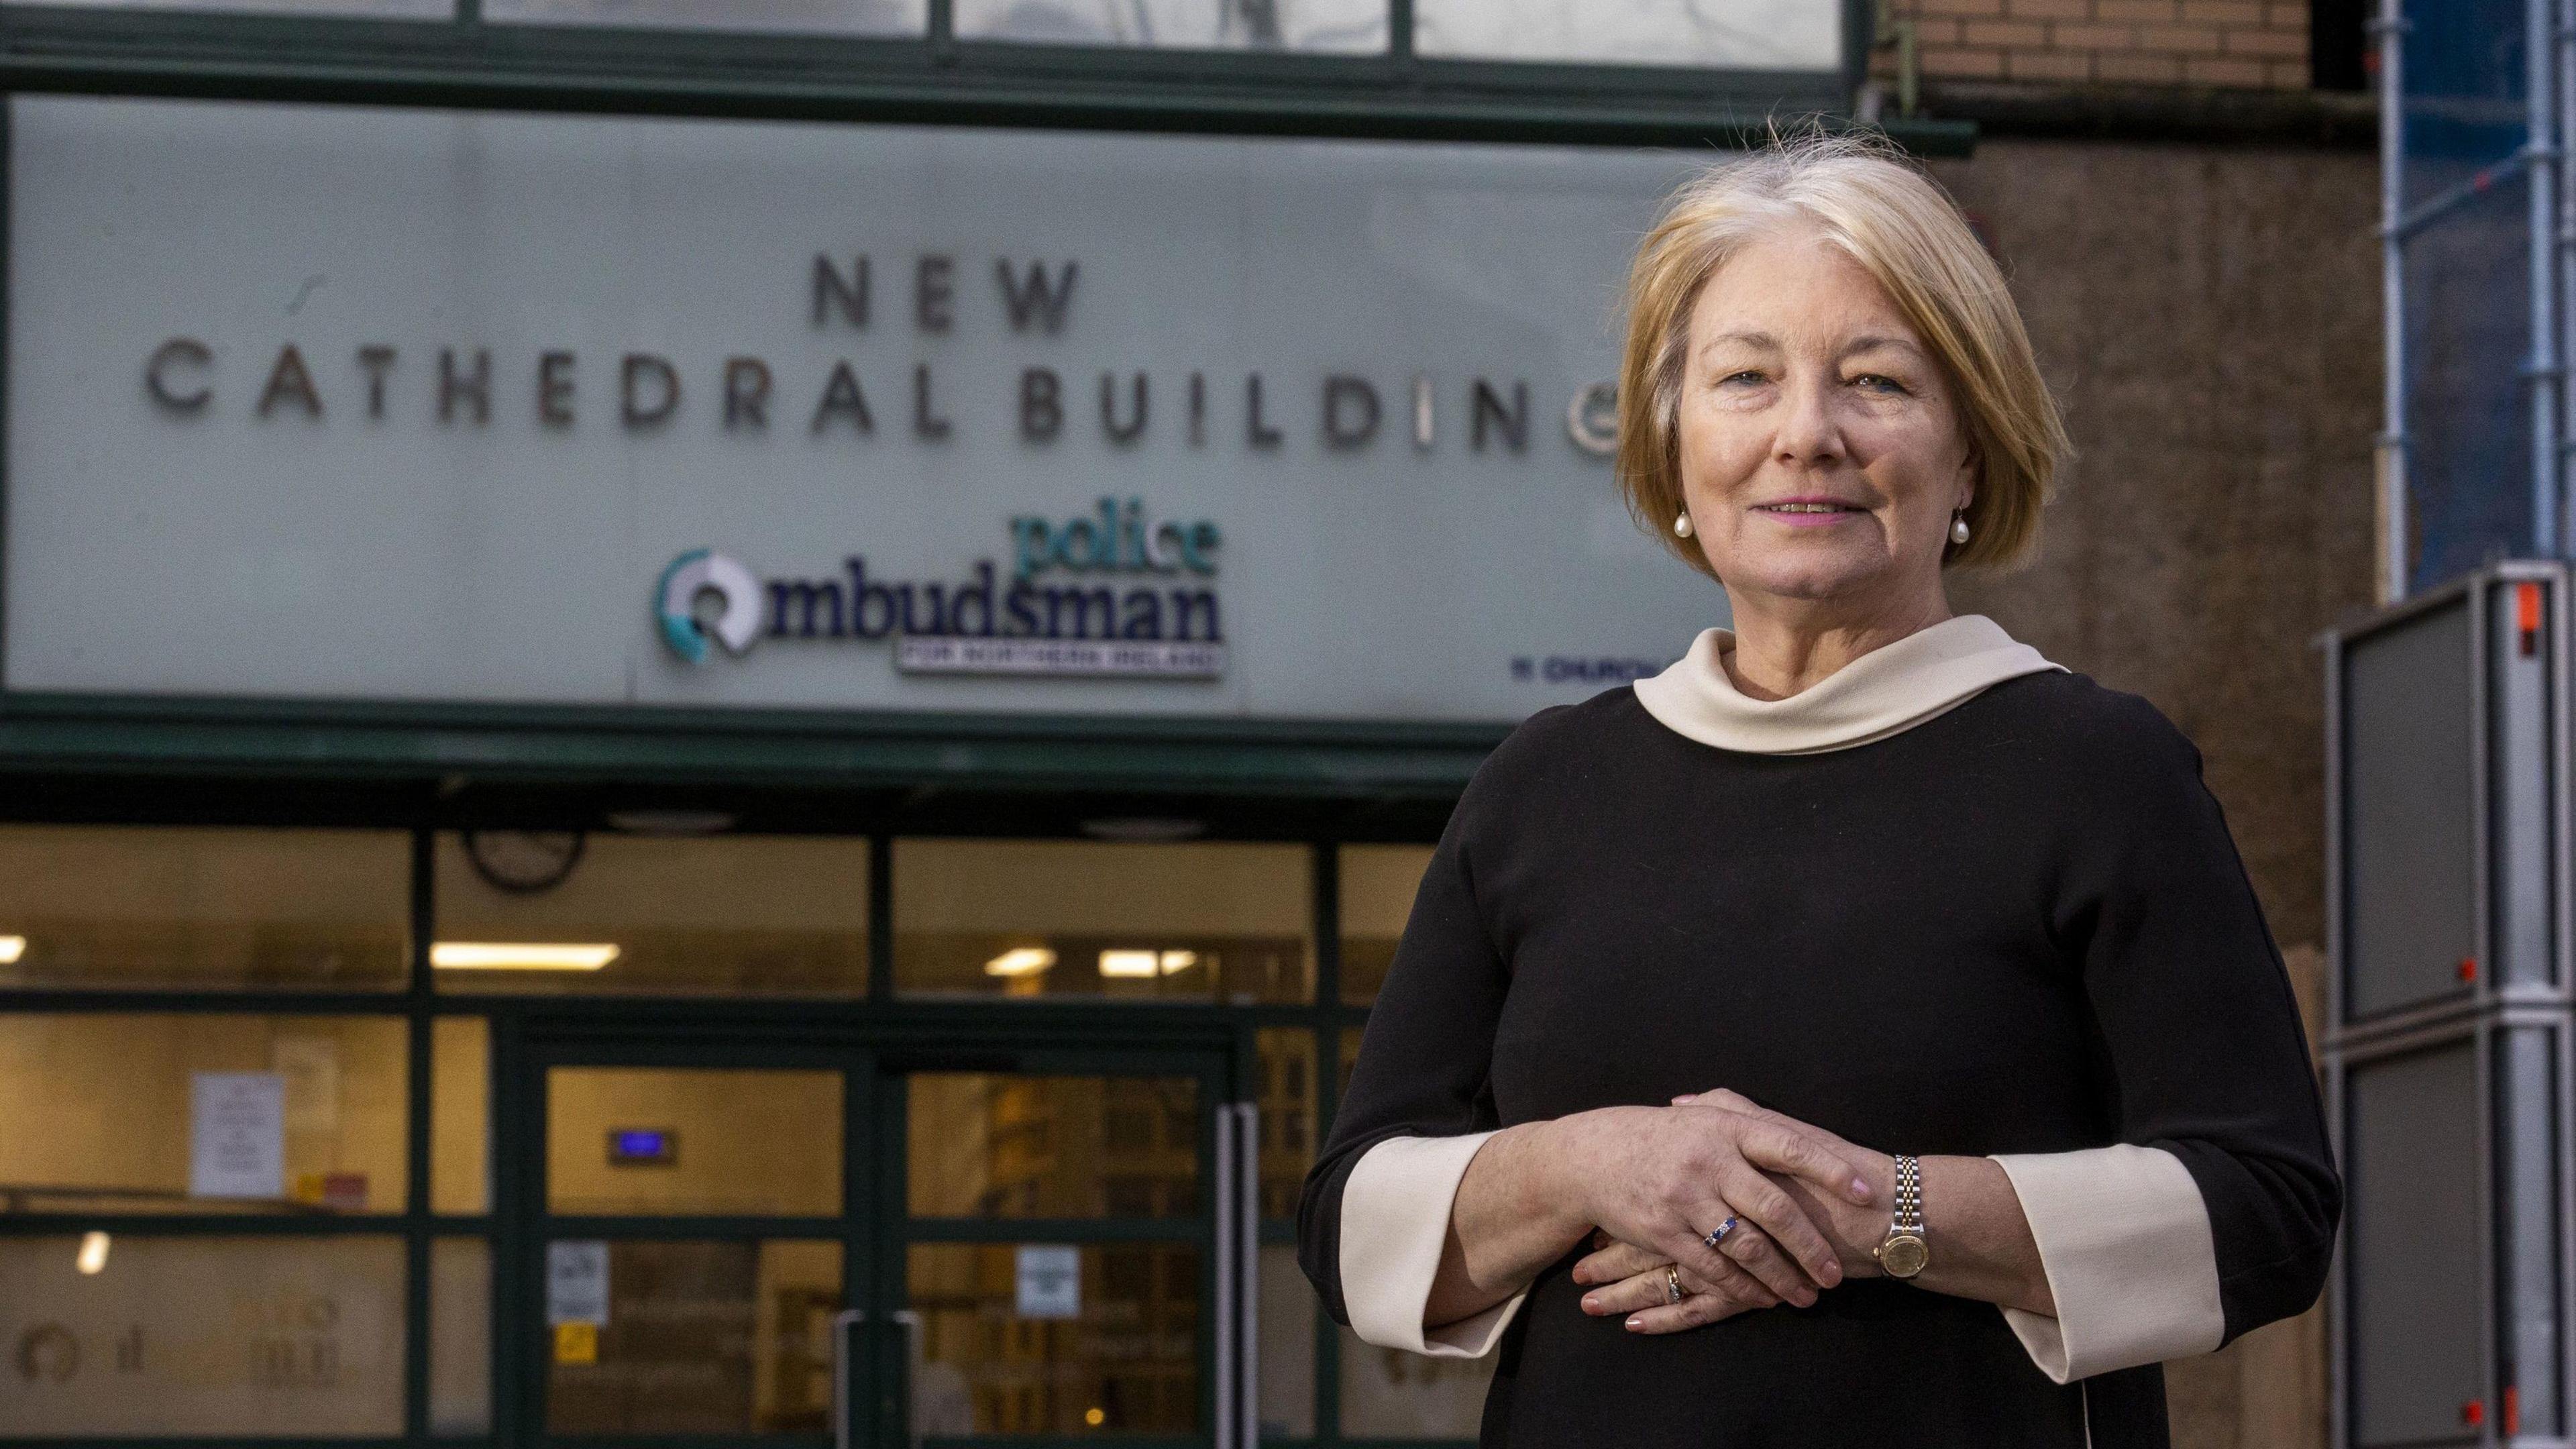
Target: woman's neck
{"points": [[1785, 647]]}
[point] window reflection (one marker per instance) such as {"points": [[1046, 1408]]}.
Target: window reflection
{"points": [[1040, 918], [460, 1337], [1286, 1090], [1353, 27], [1734, 34]]}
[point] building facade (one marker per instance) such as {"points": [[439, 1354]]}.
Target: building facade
{"points": [[715, 734]]}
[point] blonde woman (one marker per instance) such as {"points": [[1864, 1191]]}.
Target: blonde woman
{"points": [[1862, 1033]]}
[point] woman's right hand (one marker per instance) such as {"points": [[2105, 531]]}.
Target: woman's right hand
{"points": [[1661, 1178]]}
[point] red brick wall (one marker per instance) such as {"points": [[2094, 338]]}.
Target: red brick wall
{"points": [[2259, 43]]}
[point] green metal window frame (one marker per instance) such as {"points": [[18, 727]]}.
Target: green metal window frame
{"points": [[888, 1023], [935, 79]]}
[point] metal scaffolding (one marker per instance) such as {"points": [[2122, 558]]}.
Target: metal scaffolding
{"points": [[2478, 227]]}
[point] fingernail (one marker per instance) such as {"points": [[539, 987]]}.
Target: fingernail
{"points": [[1591, 1304], [1833, 1274], [1636, 1323], [1860, 1189]]}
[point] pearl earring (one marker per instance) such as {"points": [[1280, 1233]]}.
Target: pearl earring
{"points": [[1682, 525], [1959, 528]]}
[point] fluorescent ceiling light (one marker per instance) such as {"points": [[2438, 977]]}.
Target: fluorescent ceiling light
{"points": [[1020, 961], [518, 956], [1128, 963], [1179, 961], [93, 1254], [11, 948]]}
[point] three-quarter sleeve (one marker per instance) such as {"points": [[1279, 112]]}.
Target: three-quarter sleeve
{"points": [[2216, 1213], [1375, 1212]]}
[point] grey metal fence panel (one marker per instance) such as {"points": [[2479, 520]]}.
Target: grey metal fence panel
{"points": [[2417, 1301], [2410, 889]]}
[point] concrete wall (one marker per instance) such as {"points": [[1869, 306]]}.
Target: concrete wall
{"points": [[2210, 317]]}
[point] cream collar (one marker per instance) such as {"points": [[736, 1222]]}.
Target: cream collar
{"points": [[1884, 692]]}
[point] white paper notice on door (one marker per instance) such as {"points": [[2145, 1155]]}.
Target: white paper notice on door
{"points": [[577, 1282], [236, 1134], [1050, 1281]]}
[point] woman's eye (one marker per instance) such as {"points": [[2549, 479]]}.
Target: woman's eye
{"points": [[1748, 376], [1878, 382]]}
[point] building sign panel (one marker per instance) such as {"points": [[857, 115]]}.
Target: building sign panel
{"points": [[372, 403]]}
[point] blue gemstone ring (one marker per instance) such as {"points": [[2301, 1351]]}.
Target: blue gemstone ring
{"points": [[1717, 1235]]}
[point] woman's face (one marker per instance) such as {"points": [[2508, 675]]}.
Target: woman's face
{"points": [[1821, 453]]}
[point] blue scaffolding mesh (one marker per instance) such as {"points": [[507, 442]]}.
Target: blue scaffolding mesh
{"points": [[2466, 246]]}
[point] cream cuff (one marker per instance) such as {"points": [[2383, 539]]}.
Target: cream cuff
{"points": [[2124, 1238], [1395, 1221]]}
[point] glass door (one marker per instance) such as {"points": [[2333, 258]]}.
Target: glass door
{"points": [[874, 1245]]}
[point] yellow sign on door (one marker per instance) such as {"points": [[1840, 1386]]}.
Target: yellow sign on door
{"points": [[576, 1343]]}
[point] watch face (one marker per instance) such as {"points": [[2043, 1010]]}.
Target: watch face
{"points": [[1903, 1255]]}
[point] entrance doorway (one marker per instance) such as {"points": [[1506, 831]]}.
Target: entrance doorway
{"points": [[820, 1235]]}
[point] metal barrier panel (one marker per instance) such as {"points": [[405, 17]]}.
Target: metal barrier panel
{"points": [[2410, 821], [2417, 1301]]}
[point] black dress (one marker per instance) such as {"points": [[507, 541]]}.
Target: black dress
{"points": [[2018, 927]]}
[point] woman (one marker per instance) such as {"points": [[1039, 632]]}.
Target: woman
{"points": [[1762, 1030]]}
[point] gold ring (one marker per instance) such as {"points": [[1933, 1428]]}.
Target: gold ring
{"points": [[1673, 1290]]}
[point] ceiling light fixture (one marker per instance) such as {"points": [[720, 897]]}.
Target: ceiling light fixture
{"points": [[1020, 961], [518, 956], [1179, 961], [1129, 963], [11, 948], [93, 1254]]}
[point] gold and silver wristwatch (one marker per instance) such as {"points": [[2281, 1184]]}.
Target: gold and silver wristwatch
{"points": [[1905, 1250]]}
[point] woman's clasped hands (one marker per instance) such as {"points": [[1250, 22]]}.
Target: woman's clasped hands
{"points": [[1806, 1207]]}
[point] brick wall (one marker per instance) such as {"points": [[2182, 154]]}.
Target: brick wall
{"points": [[2239, 43]]}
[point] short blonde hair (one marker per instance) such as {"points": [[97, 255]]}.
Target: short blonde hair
{"points": [[1904, 230]]}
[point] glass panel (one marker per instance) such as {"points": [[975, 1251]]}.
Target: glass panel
{"points": [[460, 1115], [201, 1335], [1390, 1394], [842, 17], [184, 1112], [1287, 1347], [114, 906], [1028, 918], [994, 1146], [1346, 27], [702, 1338], [460, 1336], [1378, 885], [1125, 1358], [363, 9], [669, 1140], [1287, 1091], [1717, 34], [1350, 1059], [618, 914]]}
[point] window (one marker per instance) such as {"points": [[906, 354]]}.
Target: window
{"points": [[1719, 34], [141, 907], [1049, 918], [641, 916], [1327, 26]]}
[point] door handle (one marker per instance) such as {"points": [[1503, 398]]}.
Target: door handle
{"points": [[842, 1323], [912, 1349]]}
